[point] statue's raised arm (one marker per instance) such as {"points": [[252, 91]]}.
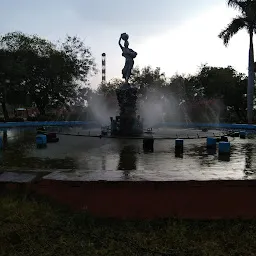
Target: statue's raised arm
{"points": [[119, 42]]}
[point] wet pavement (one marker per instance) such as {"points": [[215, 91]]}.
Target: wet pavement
{"points": [[86, 158]]}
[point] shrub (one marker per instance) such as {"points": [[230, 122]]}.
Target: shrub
{"points": [[32, 118], [15, 119]]}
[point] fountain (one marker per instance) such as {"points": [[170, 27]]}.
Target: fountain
{"points": [[128, 123]]}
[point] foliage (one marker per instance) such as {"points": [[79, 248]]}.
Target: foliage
{"points": [[211, 93], [12, 119], [246, 20], [148, 80], [44, 73], [110, 87], [80, 57], [225, 84], [35, 71], [107, 92]]}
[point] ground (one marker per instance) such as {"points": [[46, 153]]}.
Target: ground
{"points": [[35, 226]]}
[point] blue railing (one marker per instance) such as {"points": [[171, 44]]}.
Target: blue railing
{"points": [[49, 123], [209, 125], [96, 124]]}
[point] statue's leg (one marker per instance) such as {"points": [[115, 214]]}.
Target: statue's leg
{"points": [[125, 69], [129, 69], [128, 74], [123, 72]]}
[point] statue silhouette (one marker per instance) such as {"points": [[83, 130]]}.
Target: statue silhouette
{"points": [[129, 55]]}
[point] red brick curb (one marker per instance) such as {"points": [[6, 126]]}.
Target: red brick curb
{"points": [[150, 199]]}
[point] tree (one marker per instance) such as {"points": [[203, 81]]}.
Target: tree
{"points": [[247, 20], [204, 96], [148, 80], [3, 80], [11, 75], [52, 75], [224, 84], [109, 88], [25, 53], [83, 95], [81, 62], [107, 93]]}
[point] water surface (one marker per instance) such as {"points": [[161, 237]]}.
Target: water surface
{"points": [[122, 159]]}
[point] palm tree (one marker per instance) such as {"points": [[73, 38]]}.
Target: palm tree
{"points": [[247, 20]]}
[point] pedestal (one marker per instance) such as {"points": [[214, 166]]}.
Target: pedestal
{"points": [[127, 123]]}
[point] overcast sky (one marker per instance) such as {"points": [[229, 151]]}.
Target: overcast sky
{"points": [[177, 36]]}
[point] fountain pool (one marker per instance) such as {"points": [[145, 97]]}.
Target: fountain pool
{"points": [[82, 157]]}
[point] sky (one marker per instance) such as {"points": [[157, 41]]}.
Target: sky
{"points": [[177, 36]]}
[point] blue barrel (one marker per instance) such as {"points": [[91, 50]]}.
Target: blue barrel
{"points": [[1, 143], [242, 134], [44, 138], [41, 140], [224, 147], [211, 142]]}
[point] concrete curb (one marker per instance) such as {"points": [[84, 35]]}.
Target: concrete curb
{"points": [[215, 199]]}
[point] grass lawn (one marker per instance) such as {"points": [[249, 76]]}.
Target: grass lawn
{"points": [[33, 226]]}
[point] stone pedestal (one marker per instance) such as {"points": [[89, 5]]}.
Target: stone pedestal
{"points": [[127, 123]]}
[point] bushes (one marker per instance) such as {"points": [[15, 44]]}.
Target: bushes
{"points": [[48, 117], [12, 119], [77, 116], [31, 118], [45, 118], [16, 119], [42, 118]]}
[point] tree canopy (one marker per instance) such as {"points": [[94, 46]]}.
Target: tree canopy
{"points": [[210, 94], [36, 72], [41, 72]]}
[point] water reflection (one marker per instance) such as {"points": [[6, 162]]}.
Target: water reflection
{"points": [[178, 153], [211, 151], [18, 145], [127, 158], [224, 158], [1, 158], [248, 171], [5, 139], [248, 156], [148, 144], [103, 162]]}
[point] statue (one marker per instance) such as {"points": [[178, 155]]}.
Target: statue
{"points": [[129, 55], [128, 123]]}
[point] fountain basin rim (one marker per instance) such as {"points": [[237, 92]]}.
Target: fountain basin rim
{"points": [[140, 137]]}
